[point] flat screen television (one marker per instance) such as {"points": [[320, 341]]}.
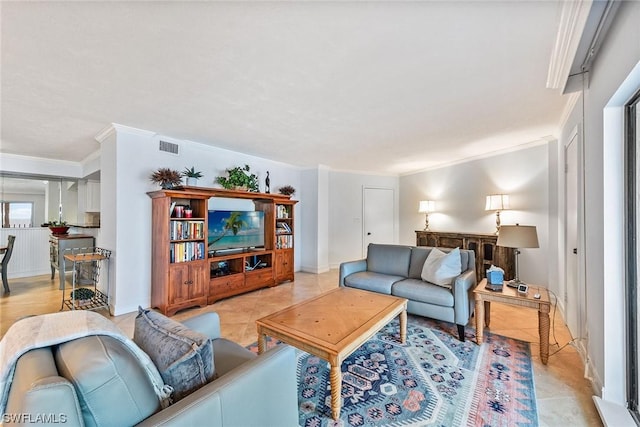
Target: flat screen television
{"points": [[230, 230]]}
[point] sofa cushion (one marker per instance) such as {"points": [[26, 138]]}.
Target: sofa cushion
{"points": [[389, 259], [421, 291], [229, 355], [440, 268], [183, 357], [112, 387], [419, 256], [370, 281]]}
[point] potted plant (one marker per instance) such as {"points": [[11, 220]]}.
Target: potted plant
{"points": [[287, 190], [239, 178], [192, 175], [167, 178]]}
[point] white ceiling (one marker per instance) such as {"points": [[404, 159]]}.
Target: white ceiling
{"points": [[386, 87]]}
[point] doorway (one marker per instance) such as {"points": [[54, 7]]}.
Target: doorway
{"points": [[379, 217], [574, 295]]}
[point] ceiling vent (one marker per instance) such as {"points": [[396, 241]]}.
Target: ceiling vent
{"points": [[169, 147]]}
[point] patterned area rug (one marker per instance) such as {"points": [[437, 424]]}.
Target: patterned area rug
{"points": [[432, 380]]}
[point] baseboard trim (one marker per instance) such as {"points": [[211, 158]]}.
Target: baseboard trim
{"points": [[612, 414]]}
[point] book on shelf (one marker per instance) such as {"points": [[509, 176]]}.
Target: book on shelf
{"points": [[185, 230], [282, 227], [187, 251], [284, 242]]}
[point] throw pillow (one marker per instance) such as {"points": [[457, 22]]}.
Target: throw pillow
{"points": [[183, 356], [440, 268]]}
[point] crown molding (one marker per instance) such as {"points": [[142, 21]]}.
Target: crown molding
{"points": [[105, 133], [573, 19]]}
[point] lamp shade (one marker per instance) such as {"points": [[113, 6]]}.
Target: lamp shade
{"points": [[518, 236], [497, 202], [427, 206]]}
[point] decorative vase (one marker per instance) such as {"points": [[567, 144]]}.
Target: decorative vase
{"points": [[192, 181], [59, 230]]}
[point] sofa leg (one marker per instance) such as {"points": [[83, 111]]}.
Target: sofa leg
{"points": [[461, 332]]}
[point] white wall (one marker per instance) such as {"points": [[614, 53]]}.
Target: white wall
{"points": [[460, 190], [126, 208], [345, 212], [603, 202]]}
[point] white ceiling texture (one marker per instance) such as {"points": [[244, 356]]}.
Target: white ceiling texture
{"points": [[385, 87]]}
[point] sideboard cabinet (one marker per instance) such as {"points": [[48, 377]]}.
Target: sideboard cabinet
{"points": [[484, 245]]}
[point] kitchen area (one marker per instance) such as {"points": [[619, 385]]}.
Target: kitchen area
{"points": [[30, 204]]}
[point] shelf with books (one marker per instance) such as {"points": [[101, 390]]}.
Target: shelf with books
{"points": [[187, 251], [186, 230], [284, 241]]}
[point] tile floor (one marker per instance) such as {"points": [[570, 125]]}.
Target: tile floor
{"points": [[564, 396]]}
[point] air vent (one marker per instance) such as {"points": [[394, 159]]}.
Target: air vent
{"points": [[169, 147]]}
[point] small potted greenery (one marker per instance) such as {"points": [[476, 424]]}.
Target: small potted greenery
{"points": [[192, 175], [167, 178], [239, 178], [287, 190]]}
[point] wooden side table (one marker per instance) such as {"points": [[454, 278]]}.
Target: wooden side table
{"points": [[511, 296]]}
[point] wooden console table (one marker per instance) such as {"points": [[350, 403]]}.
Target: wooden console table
{"points": [[511, 296], [484, 246]]}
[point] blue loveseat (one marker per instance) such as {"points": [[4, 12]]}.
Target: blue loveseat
{"points": [[397, 269]]}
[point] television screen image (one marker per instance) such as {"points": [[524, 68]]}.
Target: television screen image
{"points": [[235, 230]]}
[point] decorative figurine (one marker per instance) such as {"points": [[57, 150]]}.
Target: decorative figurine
{"points": [[267, 184]]}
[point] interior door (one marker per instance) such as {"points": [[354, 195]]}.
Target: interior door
{"points": [[573, 296], [379, 217]]}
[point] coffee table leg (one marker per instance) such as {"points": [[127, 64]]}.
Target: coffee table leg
{"points": [[479, 320], [403, 326], [262, 342], [543, 329], [336, 389]]}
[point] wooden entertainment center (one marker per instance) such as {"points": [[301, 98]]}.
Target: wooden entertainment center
{"points": [[184, 274]]}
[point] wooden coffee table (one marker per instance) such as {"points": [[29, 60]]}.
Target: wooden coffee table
{"points": [[332, 326], [511, 296]]}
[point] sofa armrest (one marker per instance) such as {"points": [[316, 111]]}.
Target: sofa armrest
{"points": [[205, 323], [38, 390], [269, 382], [463, 302], [350, 267]]}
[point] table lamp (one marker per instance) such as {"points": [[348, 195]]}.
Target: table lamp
{"points": [[425, 207], [517, 236], [497, 202]]}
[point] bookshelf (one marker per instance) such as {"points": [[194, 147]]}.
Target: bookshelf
{"points": [[179, 263], [185, 275], [284, 240]]}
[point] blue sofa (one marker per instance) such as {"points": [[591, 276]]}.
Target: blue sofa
{"points": [[396, 270], [248, 390]]}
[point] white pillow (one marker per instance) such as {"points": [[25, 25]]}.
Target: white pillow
{"points": [[440, 268]]}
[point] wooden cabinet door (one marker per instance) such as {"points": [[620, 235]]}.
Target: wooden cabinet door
{"points": [[187, 281], [179, 286], [198, 274], [284, 265]]}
